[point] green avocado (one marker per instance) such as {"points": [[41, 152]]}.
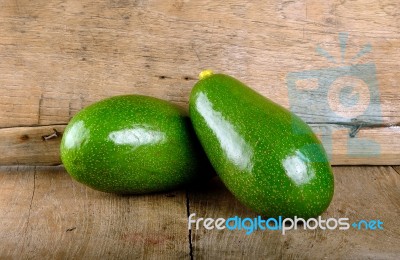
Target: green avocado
{"points": [[266, 156], [132, 144]]}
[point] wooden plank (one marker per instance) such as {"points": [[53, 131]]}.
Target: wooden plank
{"points": [[58, 57], [17, 185], [360, 193], [82, 44], [45, 215], [355, 145], [93, 50], [31, 145], [373, 146]]}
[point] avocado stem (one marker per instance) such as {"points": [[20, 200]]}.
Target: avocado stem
{"points": [[205, 74]]}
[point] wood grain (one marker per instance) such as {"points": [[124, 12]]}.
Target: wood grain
{"points": [[46, 215], [360, 193], [31, 145], [56, 57], [17, 185]]}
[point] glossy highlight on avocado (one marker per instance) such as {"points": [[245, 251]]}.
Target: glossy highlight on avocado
{"points": [[132, 144], [266, 156]]}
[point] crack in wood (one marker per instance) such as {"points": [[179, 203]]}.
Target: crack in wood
{"points": [[70, 229], [395, 170], [32, 126], [39, 108], [364, 124], [190, 231], [31, 202], [356, 126]]}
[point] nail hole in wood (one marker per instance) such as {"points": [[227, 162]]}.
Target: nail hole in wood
{"points": [[24, 137]]}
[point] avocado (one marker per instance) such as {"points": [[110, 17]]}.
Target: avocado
{"points": [[265, 155], [133, 144]]}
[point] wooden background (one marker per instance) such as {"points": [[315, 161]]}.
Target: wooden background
{"points": [[46, 215], [56, 57]]}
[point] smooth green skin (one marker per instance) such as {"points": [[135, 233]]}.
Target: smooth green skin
{"points": [[131, 145], [267, 157]]}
